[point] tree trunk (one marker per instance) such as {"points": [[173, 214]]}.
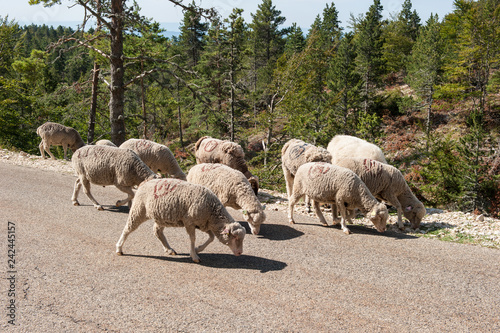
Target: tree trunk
{"points": [[93, 104], [179, 115], [117, 89], [143, 99]]}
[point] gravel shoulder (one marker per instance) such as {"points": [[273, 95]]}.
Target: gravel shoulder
{"points": [[438, 224]]}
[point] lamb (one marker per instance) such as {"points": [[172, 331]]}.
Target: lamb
{"points": [[232, 188], [346, 146], [54, 134], [210, 150], [324, 182], [105, 142], [105, 165], [387, 183], [156, 156], [177, 203], [295, 153]]}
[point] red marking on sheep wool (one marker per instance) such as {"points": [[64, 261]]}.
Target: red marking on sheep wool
{"points": [[372, 166], [318, 170], [210, 145], [298, 150], [164, 187], [210, 167], [143, 144]]}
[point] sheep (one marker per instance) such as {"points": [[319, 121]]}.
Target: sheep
{"points": [[346, 146], [324, 182], [105, 165], [54, 134], [295, 153], [232, 188], [210, 150], [387, 183], [105, 142], [156, 156], [177, 203]]}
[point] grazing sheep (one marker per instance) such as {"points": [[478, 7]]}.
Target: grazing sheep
{"points": [[105, 165], [295, 153], [54, 134], [324, 182], [105, 142], [210, 150], [156, 156], [346, 146], [232, 189], [387, 183], [176, 203]]}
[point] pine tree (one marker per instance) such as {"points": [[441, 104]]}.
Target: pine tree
{"points": [[295, 41]]}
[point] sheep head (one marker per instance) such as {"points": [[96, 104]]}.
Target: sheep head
{"points": [[233, 235], [415, 214], [254, 219], [379, 215]]}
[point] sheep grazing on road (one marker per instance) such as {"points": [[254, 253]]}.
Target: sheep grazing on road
{"points": [[295, 153], [156, 156], [54, 134], [105, 142], [346, 146], [105, 165], [387, 183], [232, 188], [210, 150], [327, 183], [176, 203]]}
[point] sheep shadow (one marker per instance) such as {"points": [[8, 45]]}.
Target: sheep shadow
{"points": [[223, 261], [274, 232], [109, 208]]}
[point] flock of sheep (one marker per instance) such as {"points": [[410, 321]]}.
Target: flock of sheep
{"points": [[351, 174]]}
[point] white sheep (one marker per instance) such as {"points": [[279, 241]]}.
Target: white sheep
{"points": [[104, 142], [327, 183], [346, 146], [232, 188], [177, 203], [210, 150], [156, 156], [54, 134], [387, 183], [105, 165], [297, 152]]}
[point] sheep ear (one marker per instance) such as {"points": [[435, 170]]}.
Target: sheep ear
{"points": [[372, 214], [227, 147], [244, 212], [226, 232], [409, 208]]}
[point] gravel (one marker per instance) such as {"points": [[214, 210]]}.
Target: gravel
{"points": [[439, 224]]}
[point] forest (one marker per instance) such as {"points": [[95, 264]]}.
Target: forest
{"points": [[426, 92]]}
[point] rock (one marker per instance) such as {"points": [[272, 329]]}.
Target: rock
{"points": [[480, 218]]}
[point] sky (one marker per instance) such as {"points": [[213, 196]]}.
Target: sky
{"points": [[302, 12]]}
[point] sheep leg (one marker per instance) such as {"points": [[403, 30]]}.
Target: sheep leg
{"points": [[65, 149], [291, 204], [133, 222], [393, 200], [344, 217], [288, 180], [210, 239], [192, 236], [46, 147], [86, 190], [320, 215], [130, 194], [42, 150], [76, 190], [158, 232]]}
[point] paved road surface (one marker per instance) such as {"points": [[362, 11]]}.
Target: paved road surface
{"points": [[306, 278]]}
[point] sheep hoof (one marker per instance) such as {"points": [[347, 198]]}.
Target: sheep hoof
{"points": [[76, 203], [196, 260], [99, 207], [171, 252], [120, 253], [347, 231], [292, 221]]}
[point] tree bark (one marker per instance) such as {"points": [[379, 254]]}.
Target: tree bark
{"points": [[116, 102]]}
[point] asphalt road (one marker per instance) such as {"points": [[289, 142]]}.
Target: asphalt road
{"points": [[305, 278]]}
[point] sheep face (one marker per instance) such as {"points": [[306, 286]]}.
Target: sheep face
{"points": [[234, 234], [414, 214], [254, 219], [378, 216]]}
